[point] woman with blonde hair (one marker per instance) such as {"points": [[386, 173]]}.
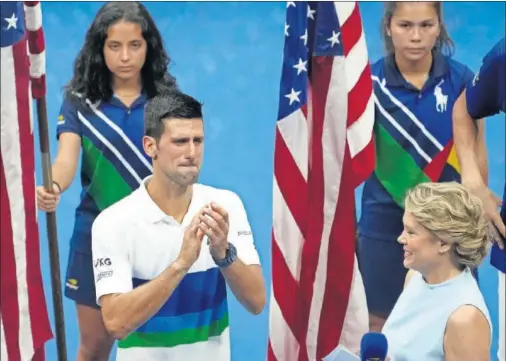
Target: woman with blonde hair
{"points": [[415, 86], [441, 314]]}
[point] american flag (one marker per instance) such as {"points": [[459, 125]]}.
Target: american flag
{"points": [[24, 322], [323, 150]]}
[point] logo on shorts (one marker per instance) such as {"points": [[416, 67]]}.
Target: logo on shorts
{"points": [[102, 262], [72, 284]]}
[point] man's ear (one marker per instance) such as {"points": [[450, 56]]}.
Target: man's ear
{"points": [[150, 147]]}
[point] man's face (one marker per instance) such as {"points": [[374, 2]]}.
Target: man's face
{"points": [[178, 154]]}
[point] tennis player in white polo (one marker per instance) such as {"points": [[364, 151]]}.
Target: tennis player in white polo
{"points": [[164, 254]]}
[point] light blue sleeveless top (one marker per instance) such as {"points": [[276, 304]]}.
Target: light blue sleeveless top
{"points": [[416, 326]]}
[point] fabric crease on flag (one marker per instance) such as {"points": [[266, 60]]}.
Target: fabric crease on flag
{"points": [[323, 150], [24, 322]]}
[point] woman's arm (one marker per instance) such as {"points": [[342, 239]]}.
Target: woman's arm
{"points": [[481, 151], [467, 336], [67, 158], [63, 171]]}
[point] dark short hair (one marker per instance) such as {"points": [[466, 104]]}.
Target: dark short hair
{"points": [[169, 105]]}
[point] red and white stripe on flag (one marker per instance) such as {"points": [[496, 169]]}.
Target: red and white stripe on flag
{"points": [[323, 150], [24, 322]]}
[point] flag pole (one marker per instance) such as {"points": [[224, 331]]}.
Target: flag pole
{"points": [[52, 235]]}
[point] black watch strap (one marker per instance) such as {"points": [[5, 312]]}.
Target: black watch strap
{"points": [[230, 257]]}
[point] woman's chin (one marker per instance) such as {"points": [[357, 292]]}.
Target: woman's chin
{"points": [[408, 263]]}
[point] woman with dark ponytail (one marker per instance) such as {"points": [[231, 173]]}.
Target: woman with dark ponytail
{"points": [[415, 86], [121, 65]]}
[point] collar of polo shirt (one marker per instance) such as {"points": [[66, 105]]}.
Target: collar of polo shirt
{"points": [[149, 210], [393, 76]]}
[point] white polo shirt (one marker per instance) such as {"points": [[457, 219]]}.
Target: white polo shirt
{"points": [[133, 241]]}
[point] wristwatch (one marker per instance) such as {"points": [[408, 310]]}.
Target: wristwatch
{"points": [[230, 257]]}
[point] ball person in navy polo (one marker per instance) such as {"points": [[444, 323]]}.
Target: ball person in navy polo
{"points": [[415, 87], [121, 64]]}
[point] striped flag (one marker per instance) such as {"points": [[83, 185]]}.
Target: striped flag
{"points": [[323, 150], [24, 322]]}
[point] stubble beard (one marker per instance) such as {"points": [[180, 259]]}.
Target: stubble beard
{"points": [[183, 180]]}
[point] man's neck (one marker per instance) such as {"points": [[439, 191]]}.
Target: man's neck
{"points": [[172, 199]]}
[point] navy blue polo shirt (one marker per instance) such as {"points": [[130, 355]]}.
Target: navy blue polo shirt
{"points": [[486, 94], [413, 138], [113, 160]]}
